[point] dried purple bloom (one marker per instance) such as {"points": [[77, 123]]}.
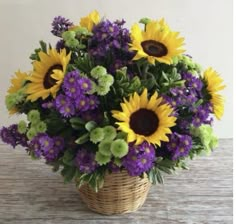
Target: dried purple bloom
{"points": [[11, 136], [60, 25]]}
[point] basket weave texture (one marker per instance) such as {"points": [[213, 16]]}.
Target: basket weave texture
{"points": [[121, 193]]}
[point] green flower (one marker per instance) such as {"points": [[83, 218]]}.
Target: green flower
{"points": [[206, 135], [41, 127], [106, 80], [102, 159], [109, 132], [105, 147], [93, 88], [97, 135], [98, 71], [34, 116], [22, 127], [119, 148], [10, 101], [31, 133], [102, 90]]}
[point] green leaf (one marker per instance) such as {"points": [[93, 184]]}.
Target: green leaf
{"points": [[43, 46], [89, 126], [68, 158], [82, 139], [77, 120], [68, 173]]}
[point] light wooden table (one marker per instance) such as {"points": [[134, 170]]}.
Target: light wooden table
{"points": [[31, 194]]}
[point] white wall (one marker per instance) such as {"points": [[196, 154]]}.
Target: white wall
{"points": [[205, 24]]}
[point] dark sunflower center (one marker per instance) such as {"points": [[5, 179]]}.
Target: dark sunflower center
{"points": [[154, 48], [48, 81], [144, 122]]}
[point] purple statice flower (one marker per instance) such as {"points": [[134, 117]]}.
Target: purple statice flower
{"points": [[139, 159], [85, 161], [48, 105], [93, 102], [192, 81], [82, 103], [179, 145], [11, 136], [85, 85], [109, 45], [60, 25]]}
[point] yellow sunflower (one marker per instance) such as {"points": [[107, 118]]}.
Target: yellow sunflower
{"points": [[48, 74], [145, 119], [214, 84], [89, 21], [17, 82], [156, 43]]}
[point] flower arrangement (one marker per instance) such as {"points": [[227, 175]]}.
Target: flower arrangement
{"points": [[106, 99]]}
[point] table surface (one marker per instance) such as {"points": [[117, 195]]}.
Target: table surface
{"points": [[31, 194]]}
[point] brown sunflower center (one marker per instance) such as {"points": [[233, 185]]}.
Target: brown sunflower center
{"points": [[154, 48], [48, 81], [144, 122]]}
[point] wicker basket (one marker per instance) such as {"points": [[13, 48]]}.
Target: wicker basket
{"points": [[121, 193]]}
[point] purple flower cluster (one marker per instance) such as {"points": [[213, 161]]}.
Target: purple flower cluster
{"points": [[201, 115], [192, 82], [179, 145], [60, 25], [139, 159], [183, 100], [109, 44], [46, 146], [11, 136], [85, 161], [75, 98]]}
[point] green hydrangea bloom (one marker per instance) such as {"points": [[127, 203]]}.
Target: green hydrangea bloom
{"points": [[31, 133], [102, 159], [119, 148], [205, 133], [33, 116], [22, 127], [105, 147], [97, 135], [98, 71], [109, 132]]}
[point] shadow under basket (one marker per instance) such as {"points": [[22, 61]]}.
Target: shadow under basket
{"points": [[120, 194]]}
